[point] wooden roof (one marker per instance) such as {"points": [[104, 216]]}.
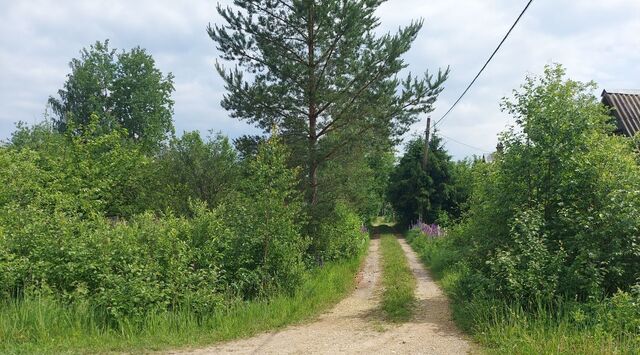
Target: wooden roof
{"points": [[625, 106]]}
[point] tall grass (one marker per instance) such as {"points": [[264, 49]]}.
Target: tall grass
{"points": [[399, 284], [611, 326], [43, 325]]}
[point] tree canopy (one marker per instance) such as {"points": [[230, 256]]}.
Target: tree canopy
{"points": [[419, 194], [319, 72], [125, 90]]}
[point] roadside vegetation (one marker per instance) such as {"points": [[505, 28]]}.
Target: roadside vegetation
{"points": [[545, 258], [116, 233], [398, 282], [45, 325]]}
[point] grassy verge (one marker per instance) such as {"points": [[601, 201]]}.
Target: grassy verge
{"points": [[45, 326], [502, 328], [399, 284]]}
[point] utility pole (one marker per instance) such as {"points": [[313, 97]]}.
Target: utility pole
{"points": [[425, 158]]}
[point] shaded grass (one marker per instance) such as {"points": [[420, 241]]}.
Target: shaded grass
{"points": [[398, 299], [507, 328], [43, 325]]}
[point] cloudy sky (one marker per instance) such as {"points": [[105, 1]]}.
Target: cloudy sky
{"points": [[596, 40]]}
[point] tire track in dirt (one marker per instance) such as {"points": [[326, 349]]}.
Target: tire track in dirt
{"points": [[355, 326]]}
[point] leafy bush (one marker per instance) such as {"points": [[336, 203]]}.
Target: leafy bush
{"points": [[558, 213], [265, 246], [126, 269], [527, 270], [55, 239], [341, 235], [191, 168], [89, 173], [609, 325]]}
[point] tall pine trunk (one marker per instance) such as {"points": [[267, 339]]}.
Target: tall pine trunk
{"points": [[313, 111]]}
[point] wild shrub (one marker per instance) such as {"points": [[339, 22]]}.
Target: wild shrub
{"points": [[57, 239], [557, 214], [193, 168], [125, 269], [91, 172], [341, 235], [264, 245]]}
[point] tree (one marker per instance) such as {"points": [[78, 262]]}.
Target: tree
{"points": [[318, 71], [195, 169], [125, 90], [266, 247], [357, 177], [557, 213], [419, 194]]}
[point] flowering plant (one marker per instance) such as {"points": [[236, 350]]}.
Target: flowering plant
{"points": [[430, 230]]}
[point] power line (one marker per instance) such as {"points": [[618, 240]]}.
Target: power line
{"points": [[485, 64], [462, 143]]}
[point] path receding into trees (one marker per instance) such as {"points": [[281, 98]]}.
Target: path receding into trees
{"points": [[356, 326]]}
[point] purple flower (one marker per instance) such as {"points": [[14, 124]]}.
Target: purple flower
{"points": [[430, 230]]}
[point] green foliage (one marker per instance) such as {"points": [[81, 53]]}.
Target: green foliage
{"points": [[87, 173], [545, 259], [358, 178], [124, 269], [527, 269], [505, 327], [191, 168], [265, 219], [54, 238], [340, 235], [125, 90], [45, 325], [415, 193], [320, 73], [558, 213], [398, 299]]}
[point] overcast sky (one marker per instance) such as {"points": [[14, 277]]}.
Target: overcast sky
{"points": [[595, 39]]}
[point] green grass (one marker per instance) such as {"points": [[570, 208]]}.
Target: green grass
{"points": [[508, 329], [504, 328], [398, 297], [45, 326]]}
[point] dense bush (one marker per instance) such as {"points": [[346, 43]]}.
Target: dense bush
{"points": [[341, 235], [610, 325], [192, 168], [88, 173], [265, 252], [558, 213], [126, 269], [55, 238]]}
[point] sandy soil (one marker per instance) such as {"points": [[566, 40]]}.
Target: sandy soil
{"points": [[355, 325]]}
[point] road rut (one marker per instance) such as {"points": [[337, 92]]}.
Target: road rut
{"points": [[355, 325]]}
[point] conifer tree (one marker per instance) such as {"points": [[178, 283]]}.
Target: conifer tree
{"points": [[318, 70]]}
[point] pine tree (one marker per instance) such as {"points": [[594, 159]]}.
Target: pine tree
{"points": [[317, 70]]}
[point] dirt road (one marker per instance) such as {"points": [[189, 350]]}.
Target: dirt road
{"points": [[355, 325]]}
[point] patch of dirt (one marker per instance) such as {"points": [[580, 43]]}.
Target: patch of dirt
{"points": [[354, 326]]}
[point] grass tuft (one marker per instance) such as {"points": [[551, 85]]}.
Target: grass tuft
{"points": [[398, 299]]}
